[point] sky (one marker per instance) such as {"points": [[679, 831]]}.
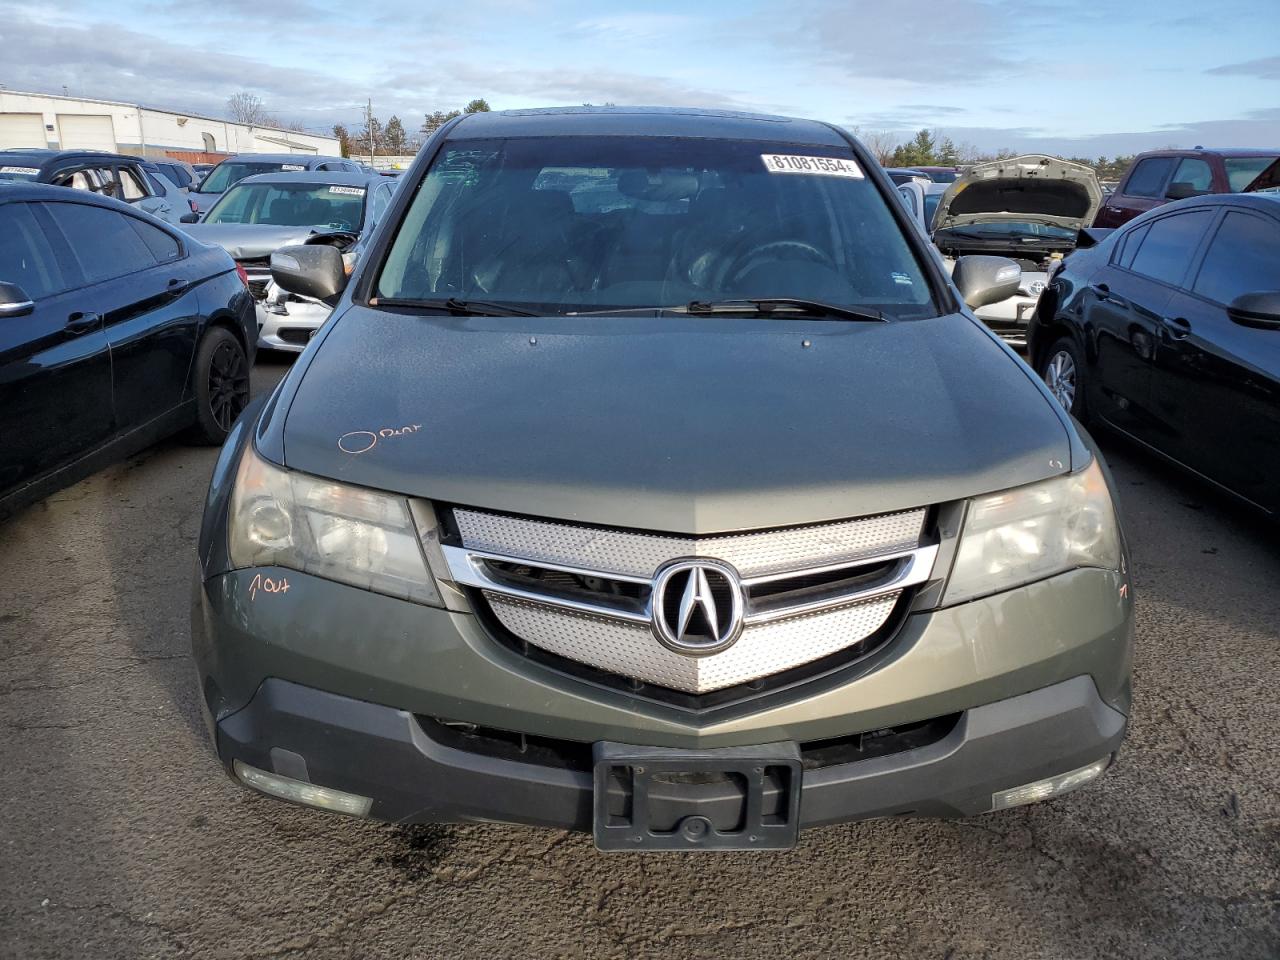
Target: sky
{"points": [[1085, 78]]}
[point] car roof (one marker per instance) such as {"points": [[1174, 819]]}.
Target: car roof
{"points": [[42, 156], [1213, 151], [335, 177], [27, 191], [280, 158], [644, 122]]}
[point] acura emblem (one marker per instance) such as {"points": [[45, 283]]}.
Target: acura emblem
{"points": [[697, 606]]}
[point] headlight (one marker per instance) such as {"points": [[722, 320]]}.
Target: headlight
{"points": [[339, 532], [1033, 532]]}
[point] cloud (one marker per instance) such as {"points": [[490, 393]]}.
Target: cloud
{"points": [[631, 28], [1268, 68]]}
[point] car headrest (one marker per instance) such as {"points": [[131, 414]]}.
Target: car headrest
{"points": [[657, 185]]}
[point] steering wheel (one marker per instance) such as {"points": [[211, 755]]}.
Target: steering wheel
{"points": [[779, 250]]}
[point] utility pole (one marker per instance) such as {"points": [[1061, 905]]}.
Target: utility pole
{"points": [[368, 125]]}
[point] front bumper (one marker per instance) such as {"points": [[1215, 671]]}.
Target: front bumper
{"points": [[388, 755], [292, 330]]}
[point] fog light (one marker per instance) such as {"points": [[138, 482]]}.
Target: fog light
{"points": [[1050, 787], [286, 788]]}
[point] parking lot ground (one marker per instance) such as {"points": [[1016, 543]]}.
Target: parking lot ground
{"points": [[120, 837]]}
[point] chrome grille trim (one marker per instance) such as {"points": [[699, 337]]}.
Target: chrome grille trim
{"points": [[586, 594], [629, 649], [639, 555]]}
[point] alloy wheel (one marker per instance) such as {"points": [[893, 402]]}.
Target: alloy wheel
{"points": [[1060, 377], [228, 384]]}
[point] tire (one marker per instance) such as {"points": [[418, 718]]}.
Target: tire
{"points": [[1062, 370], [221, 378]]}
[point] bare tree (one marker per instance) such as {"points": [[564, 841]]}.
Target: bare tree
{"points": [[881, 143], [245, 107]]}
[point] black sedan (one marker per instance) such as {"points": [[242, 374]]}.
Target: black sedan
{"points": [[1168, 330], [115, 330]]}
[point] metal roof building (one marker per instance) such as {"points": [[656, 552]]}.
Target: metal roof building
{"points": [[66, 122]]}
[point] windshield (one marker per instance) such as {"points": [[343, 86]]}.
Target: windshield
{"points": [[1242, 171], [233, 171], [562, 224], [334, 206], [15, 172]]}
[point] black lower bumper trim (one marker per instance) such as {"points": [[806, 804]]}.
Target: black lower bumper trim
{"points": [[384, 753]]}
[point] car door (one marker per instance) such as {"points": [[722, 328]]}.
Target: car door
{"points": [[135, 190], [55, 368], [1216, 383], [1143, 189], [142, 288]]}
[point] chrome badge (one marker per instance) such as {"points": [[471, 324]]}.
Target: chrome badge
{"points": [[697, 607]]}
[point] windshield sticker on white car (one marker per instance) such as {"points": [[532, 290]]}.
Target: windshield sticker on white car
{"points": [[29, 171], [348, 191], [292, 166], [822, 166]]}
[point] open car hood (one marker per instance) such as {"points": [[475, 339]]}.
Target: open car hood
{"points": [[1032, 188], [1267, 181]]}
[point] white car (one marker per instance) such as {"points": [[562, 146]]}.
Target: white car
{"points": [[1029, 208]]}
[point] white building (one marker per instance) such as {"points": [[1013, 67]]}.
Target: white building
{"points": [[64, 122]]}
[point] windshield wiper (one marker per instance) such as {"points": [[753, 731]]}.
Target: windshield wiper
{"points": [[764, 306], [463, 308], [787, 305]]}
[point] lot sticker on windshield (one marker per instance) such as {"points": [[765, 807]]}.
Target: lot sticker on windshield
{"points": [[822, 166], [27, 170], [292, 166], [348, 191]]}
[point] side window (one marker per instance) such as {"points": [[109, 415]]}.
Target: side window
{"points": [[1128, 246], [1243, 257], [380, 200], [27, 257], [1166, 251], [1193, 176], [909, 199], [131, 187], [104, 241], [79, 180], [162, 246], [1148, 177]]}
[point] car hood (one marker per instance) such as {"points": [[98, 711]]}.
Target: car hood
{"points": [[679, 424], [249, 241], [1030, 188]]}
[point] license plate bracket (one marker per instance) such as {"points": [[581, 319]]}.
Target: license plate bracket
{"points": [[729, 798]]}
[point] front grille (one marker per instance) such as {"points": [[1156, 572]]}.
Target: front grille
{"points": [[258, 270], [584, 595], [298, 335]]}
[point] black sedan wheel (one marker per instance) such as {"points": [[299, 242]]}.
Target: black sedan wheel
{"points": [[222, 385], [1063, 373]]}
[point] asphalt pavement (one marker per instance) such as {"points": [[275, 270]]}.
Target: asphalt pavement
{"points": [[121, 837]]}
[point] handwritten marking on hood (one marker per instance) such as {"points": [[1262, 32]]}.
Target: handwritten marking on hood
{"points": [[362, 441]]}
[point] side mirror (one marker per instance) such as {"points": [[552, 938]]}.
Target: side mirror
{"points": [[1257, 310], [189, 218], [983, 280], [309, 271], [14, 301]]}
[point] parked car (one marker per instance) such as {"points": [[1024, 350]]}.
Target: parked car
{"points": [[1029, 208], [1162, 176], [1169, 332], [178, 172], [107, 174], [649, 475], [236, 168], [201, 170], [115, 330], [940, 174], [180, 207], [265, 212], [900, 175]]}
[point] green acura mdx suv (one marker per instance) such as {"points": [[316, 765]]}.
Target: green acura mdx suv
{"points": [[651, 478]]}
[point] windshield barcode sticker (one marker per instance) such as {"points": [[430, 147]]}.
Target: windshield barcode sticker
{"points": [[30, 171], [292, 166], [348, 191], [822, 166]]}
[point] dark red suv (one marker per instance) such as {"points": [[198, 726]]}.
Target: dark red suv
{"points": [[1164, 175]]}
